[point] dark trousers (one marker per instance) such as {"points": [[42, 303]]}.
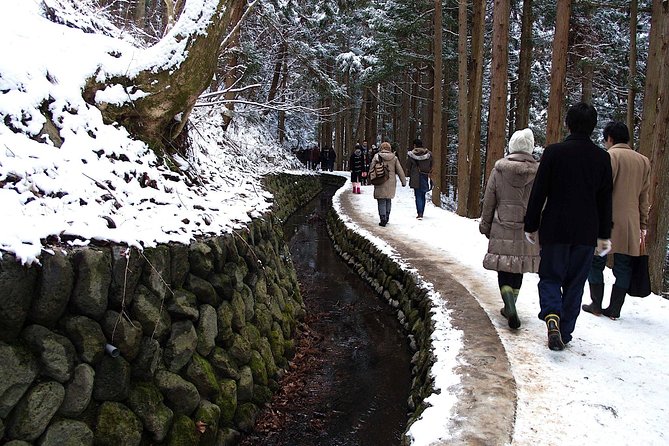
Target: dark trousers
{"points": [[622, 269], [563, 271], [514, 280]]}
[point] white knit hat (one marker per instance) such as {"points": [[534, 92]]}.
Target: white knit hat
{"points": [[522, 141]]}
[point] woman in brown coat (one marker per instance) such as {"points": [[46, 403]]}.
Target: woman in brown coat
{"points": [[504, 205], [385, 192]]}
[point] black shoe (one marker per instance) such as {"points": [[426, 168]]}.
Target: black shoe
{"points": [[554, 336]]}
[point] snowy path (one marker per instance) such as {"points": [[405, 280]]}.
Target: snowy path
{"points": [[610, 386]]}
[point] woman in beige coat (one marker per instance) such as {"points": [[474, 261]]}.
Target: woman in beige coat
{"points": [[504, 205], [384, 193]]}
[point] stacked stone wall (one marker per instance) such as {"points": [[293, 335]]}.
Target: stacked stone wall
{"points": [[175, 345]]}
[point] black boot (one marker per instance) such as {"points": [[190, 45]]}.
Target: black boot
{"points": [[617, 301], [384, 220], [596, 294]]}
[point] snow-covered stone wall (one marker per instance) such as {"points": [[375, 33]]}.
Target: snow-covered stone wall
{"points": [[177, 344]]}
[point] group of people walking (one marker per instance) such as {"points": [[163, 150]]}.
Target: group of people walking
{"points": [[315, 158], [560, 217], [419, 168]]}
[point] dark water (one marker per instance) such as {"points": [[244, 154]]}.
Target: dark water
{"points": [[356, 393]]}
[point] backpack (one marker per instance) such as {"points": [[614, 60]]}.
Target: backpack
{"points": [[380, 173]]}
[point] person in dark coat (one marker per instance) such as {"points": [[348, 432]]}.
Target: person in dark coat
{"points": [[570, 206], [357, 166], [504, 205], [631, 205], [419, 167], [315, 157], [366, 156], [331, 157], [325, 158]]}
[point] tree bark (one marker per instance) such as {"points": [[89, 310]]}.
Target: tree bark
{"points": [[524, 72], [498, 89], [554, 127], [655, 139], [436, 105], [172, 89], [631, 80], [469, 115]]}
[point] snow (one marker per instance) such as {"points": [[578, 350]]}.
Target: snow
{"points": [[70, 194], [609, 386]]}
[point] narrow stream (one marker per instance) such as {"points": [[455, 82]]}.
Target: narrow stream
{"points": [[355, 380]]}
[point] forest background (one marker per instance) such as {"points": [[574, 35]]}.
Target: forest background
{"points": [[461, 75]]}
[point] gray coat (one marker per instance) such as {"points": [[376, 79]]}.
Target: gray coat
{"points": [[387, 189], [504, 205]]}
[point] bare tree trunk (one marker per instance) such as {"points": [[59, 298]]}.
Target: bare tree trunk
{"points": [[349, 141], [524, 72], [140, 14], [498, 89], [232, 72], [413, 112], [374, 115], [655, 139], [436, 105], [476, 91], [632, 87], [281, 121], [469, 114], [159, 117], [586, 57], [463, 110], [427, 101], [276, 77], [558, 72]]}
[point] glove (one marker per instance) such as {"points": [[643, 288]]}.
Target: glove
{"points": [[603, 247], [531, 237]]}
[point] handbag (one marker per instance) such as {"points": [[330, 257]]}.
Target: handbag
{"points": [[379, 174], [640, 280]]}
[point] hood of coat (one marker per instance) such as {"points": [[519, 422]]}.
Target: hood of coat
{"points": [[386, 155], [518, 169], [357, 151], [420, 153]]}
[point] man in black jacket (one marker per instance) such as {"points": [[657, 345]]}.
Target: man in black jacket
{"points": [[570, 206]]}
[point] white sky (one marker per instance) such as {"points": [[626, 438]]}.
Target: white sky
{"points": [[610, 386]]}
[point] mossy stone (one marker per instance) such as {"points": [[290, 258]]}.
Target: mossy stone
{"points": [[117, 425], [258, 369], [208, 415], [227, 401], [245, 417], [183, 433]]}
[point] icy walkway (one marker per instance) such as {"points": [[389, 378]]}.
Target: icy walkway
{"points": [[609, 387]]}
